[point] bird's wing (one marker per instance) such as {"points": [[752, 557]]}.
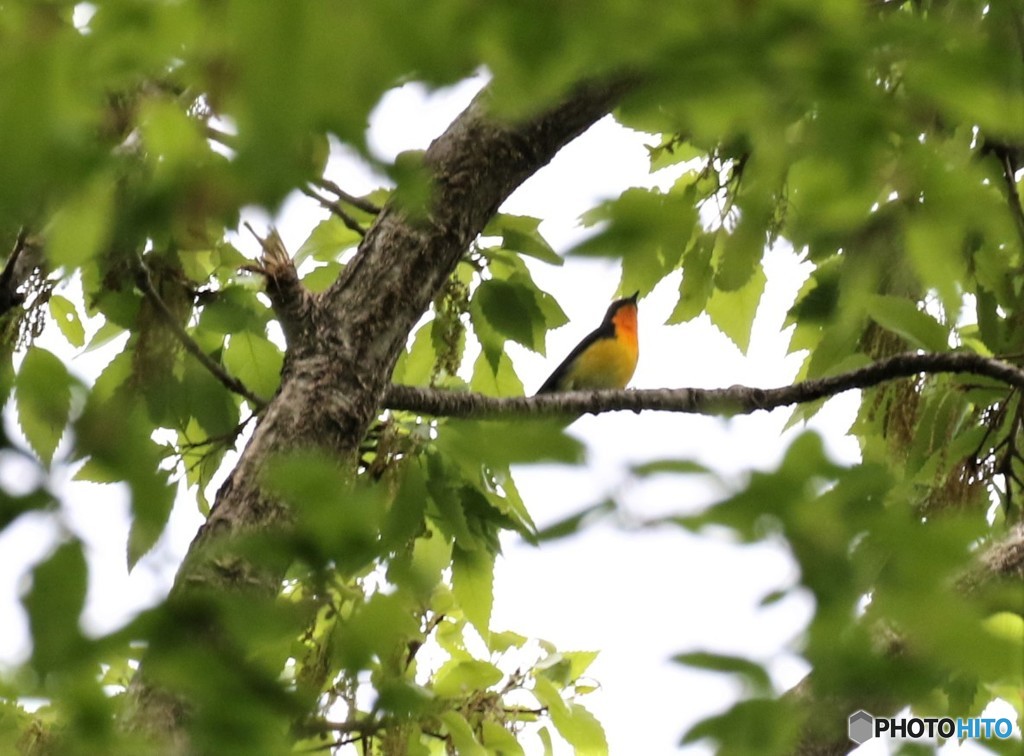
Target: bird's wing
{"points": [[606, 331]]}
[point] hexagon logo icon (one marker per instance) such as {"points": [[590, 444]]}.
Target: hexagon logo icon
{"points": [[861, 727]]}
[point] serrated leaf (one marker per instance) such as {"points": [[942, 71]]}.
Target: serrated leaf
{"points": [[904, 318], [511, 310], [733, 311], [574, 723], [521, 234], [473, 586], [648, 229], [150, 519], [42, 396], [461, 677], [327, 241], [104, 335], [235, 308], [404, 518], [698, 279], [319, 279], [741, 252], [65, 315], [255, 361], [672, 152], [116, 434], [500, 642], [500, 380]]}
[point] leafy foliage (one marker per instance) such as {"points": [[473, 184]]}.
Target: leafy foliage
{"points": [[883, 141]]}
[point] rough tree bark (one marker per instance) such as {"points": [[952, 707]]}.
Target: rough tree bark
{"points": [[344, 343]]}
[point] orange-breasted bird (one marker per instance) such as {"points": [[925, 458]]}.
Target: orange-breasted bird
{"points": [[606, 358]]}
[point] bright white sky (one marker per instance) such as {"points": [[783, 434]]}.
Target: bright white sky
{"points": [[638, 596]]}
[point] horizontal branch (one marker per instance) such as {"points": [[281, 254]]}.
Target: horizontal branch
{"points": [[735, 400]]}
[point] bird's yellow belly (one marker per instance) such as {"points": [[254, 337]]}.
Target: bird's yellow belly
{"points": [[606, 364]]}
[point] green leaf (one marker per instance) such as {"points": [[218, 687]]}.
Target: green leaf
{"points": [[327, 241], [255, 361], [504, 442], [148, 524], [934, 250], [741, 252], [754, 726], [337, 520], [648, 229], [462, 734], [574, 523], [235, 308], [116, 433], [675, 466], [416, 366], [733, 311], [82, 226], [496, 381], [54, 605], [319, 279], [473, 586], [698, 279], [499, 740], [511, 310], [501, 641], [42, 395], [463, 677], [672, 152], [752, 673], [574, 723], [520, 233], [65, 314], [904, 318], [380, 628], [404, 519]]}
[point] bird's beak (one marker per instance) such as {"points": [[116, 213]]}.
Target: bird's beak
{"points": [[633, 298]]}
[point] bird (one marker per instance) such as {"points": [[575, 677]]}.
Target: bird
{"points": [[606, 358]]}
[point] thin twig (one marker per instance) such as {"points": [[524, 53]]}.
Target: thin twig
{"points": [[735, 400], [360, 203], [337, 209], [145, 283], [1012, 195]]}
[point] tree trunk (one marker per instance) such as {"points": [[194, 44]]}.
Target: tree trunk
{"points": [[344, 343]]}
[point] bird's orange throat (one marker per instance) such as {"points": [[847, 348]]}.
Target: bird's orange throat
{"points": [[625, 326]]}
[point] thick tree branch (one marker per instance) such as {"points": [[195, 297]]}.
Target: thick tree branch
{"points": [[25, 257], [293, 303], [735, 400], [341, 356]]}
